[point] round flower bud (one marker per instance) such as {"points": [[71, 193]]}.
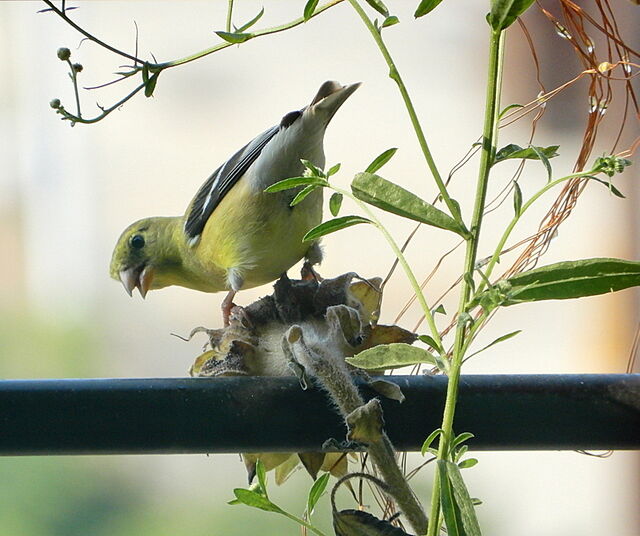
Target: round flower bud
{"points": [[77, 67], [64, 53], [55, 104]]}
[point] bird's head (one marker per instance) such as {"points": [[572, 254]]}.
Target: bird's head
{"points": [[140, 252]]}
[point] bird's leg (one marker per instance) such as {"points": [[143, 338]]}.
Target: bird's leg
{"points": [[307, 273], [227, 305], [313, 256]]}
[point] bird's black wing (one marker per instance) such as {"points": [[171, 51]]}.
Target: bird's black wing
{"points": [[220, 182]]}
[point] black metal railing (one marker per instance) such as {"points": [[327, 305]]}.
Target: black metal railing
{"points": [[259, 414]]}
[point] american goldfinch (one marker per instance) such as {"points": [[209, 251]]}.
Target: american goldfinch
{"points": [[233, 234]]}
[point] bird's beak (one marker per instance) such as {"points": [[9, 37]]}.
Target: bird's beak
{"points": [[140, 277]]}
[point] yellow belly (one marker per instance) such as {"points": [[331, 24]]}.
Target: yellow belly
{"points": [[257, 234]]}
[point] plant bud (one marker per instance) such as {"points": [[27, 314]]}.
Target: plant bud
{"points": [[64, 53], [55, 104], [77, 67]]}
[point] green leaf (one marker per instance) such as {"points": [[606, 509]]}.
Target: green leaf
{"points": [[469, 462], [426, 6], [517, 198], [316, 492], [234, 37], [302, 194], [255, 500], [440, 309], [608, 184], [572, 279], [309, 8], [390, 21], [458, 440], [542, 156], [390, 356], [427, 339], [249, 24], [333, 170], [315, 170], [150, 85], [262, 477], [381, 160], [498, 340], [294, 182], [430, 439], [335, 202], [505, 12], [379, 6], [464, 503], [334, 225], [450, 510], [385, 195], [509, 108], [513, 151]]}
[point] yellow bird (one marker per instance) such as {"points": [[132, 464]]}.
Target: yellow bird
{"points": [[233, 234]]}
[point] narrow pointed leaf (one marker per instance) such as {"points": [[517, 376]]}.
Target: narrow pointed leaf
{"points": [[517, 198], [608, 184], [450, 510], [426, 6], [390, 21], [302, 194], [381, 160], [234, 37], [150, 86], [316, 492], [464, 436], [390, 356], [333, 170], [385, 195], [249, 24], [294, 182], [469, 462], [508, 109], [498, 340], [335, 202], [379, 6], [464, 503], [430, 439], [262, 477], [251, 498], [309, 8], [334, 225], [572, 279], [513, 151], [504, 12], [541, 153]]}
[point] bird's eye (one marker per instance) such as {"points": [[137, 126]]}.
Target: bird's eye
{"points": [[137, 241]]}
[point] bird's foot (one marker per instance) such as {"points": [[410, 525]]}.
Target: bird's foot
{"points": [[308, 273]]}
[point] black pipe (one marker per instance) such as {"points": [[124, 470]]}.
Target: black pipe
{"points": [[258, 414]]}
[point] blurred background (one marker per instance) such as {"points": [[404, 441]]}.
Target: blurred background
{"points": [[67, 193]]}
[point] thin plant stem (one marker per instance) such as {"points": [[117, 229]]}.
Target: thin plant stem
{"points": [[74, 78], [302, 522], [394, 74], [252, 35], [489, 142], [229, 14], [415, 285], [507, 232]]}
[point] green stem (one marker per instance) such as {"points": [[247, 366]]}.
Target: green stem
{"points": [[105, 111], [489, 142], [507, 232], [74, 79], [229, 14], [394, 74], [435, 334], [253, 35], [303, 523]]}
